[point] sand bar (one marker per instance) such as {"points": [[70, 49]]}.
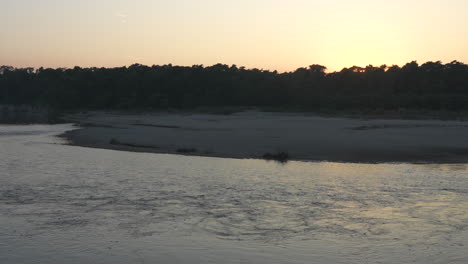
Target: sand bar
{"points": [[251, 134]]}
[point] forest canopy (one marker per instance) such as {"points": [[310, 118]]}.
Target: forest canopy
{"points": [[432, 86]]}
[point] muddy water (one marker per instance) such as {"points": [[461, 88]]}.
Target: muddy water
{"points": [[65, 204]]}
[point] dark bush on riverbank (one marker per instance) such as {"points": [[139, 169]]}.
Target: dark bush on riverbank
{"points": [[114, 141], [186, 150], [280, 156]]}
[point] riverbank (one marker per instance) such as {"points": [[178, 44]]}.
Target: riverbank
{"points": [[26, 114], [253, 134]]}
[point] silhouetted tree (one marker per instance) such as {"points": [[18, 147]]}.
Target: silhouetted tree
{"points": [[432, 85]]}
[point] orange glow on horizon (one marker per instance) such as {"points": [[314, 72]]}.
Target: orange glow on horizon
{"points": [[274, 34]]}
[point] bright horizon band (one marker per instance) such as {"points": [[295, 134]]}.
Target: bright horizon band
{"points": [[273, 35]]}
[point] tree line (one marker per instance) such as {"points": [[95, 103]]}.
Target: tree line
{"points": [[432, 86]]}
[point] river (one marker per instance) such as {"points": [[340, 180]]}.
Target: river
{"points": [[68, 204]]}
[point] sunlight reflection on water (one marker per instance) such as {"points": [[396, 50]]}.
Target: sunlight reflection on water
{"points": [[69, 204]]}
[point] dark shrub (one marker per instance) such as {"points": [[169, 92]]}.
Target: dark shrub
{"points": [[280, 156], [186, 150]]}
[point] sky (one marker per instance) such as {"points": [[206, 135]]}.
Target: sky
{"points": [[265, 34]]}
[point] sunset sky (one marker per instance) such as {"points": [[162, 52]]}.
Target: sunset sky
{"points": [[268, 34]]}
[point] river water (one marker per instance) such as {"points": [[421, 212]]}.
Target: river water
{"points": [[67, 204]]}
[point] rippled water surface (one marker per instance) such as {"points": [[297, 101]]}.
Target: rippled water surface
{"points": [[65, 204]]}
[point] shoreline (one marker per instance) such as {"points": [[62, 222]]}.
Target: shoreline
{"points": [[252, 135]]}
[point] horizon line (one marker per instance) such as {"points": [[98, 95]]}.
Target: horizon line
{"points": [[326, 70]]}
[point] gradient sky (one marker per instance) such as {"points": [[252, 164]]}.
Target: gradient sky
{"points": [[268, 34]]}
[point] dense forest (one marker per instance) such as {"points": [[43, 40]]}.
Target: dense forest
{"points": [[432, 86]]}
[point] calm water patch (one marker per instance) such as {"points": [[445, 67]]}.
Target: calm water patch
{"points": [[66, 204]]}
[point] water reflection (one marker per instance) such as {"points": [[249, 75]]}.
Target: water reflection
{"points": [[448, 167], [167, 208]]}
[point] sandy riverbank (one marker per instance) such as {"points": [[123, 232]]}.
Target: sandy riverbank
{"points": [[252, 134]]}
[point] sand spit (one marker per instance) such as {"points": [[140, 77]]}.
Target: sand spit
{"points": [[253, 134]]}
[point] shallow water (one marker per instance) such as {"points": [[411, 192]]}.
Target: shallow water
{"points": [[66, 204]]}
